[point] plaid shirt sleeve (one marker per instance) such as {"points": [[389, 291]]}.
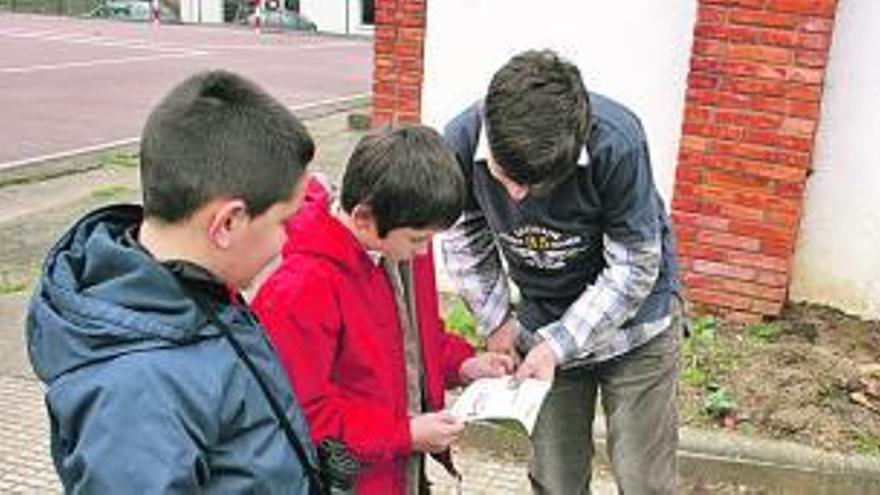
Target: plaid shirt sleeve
{"points": [[605, 306], [474, 266]]}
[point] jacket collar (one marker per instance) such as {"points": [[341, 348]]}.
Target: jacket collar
{"points": [[185, 271], [315, 231]]}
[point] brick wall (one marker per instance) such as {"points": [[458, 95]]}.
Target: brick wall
{"points": [[398, 61], [753, 97]]}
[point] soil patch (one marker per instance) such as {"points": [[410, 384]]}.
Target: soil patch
{"points": [[812, 376]]}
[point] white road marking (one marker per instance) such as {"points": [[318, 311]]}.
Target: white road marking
{"points": [[68, 153], [134, 140], [144, 44], [92, 40], [92, 63], [310, 46]]}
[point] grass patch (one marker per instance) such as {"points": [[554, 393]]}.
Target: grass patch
{"points": [[125, 160], [25, 179], [763, 332], [9, 287], [110, 192], [10, 283], [868, 444]]}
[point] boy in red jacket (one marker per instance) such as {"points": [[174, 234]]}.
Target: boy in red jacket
{"points": [[353, 310]]}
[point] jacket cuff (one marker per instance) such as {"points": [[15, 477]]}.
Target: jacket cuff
{"points": [[455, 379], [559, 339], [489, 321], [401, 442]]}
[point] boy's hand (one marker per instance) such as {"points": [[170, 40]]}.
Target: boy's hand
{"points": [[434, 432], [503, 338], [539, 363], [487, 364]]}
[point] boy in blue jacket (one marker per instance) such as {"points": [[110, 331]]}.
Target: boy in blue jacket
{"points": [[159, 379]]}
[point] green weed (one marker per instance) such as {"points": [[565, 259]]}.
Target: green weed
{"points": [[868, 444], [719, 403], [459, 320], [8, 287], [110, 192], [695, 376], [121, 160], [763, 332], [705, 360], [699, 351]]}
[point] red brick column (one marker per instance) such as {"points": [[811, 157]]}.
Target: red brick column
{"points": [[398, 66], [752, 108]]}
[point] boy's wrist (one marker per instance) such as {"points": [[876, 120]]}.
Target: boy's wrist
{"points": [[503, 338]]}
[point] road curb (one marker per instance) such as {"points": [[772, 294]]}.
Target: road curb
{"points": [[783, 466], [88, 158], [723, 457]]}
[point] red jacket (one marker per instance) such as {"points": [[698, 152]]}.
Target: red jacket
{"points": [[331, 314]]}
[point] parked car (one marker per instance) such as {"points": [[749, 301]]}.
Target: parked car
{"points": [[132, 10], [281, 14], [285, 19]]}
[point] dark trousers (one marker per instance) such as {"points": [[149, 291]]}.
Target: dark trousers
{"points": [[638, 392]]}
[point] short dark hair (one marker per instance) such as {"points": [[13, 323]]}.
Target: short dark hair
{"points": [[407, 176], [537, 114], [217, 134]]}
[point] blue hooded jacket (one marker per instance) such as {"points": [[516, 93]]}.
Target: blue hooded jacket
{"points": [[143, 393]]}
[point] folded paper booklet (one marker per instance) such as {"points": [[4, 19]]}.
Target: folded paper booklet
{"points": [[499, 402]]}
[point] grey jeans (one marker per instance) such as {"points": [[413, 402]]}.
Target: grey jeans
{"points": [[639, 392]]}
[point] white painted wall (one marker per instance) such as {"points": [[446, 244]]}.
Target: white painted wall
{"points": [[636, 52], [836, 259], [329, 15], [201, 11]]}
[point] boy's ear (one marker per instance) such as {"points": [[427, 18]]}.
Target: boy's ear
{"points": [[227, 219], [363, 219]]}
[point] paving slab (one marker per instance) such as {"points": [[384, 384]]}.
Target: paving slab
{"points": [[25, 463]]}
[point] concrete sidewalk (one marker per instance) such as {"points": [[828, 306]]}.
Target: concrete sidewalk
{"points": [[26, 467]]}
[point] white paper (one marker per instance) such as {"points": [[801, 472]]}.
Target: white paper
{"points": [[497, 400]]}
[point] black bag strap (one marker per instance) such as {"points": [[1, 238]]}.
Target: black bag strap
{"points": [[292, 438]]}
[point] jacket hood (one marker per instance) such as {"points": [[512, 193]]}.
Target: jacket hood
{"points": [[315, 231], [101, 295]]}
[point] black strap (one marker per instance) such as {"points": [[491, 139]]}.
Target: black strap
{"points": [[292, 438]]}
